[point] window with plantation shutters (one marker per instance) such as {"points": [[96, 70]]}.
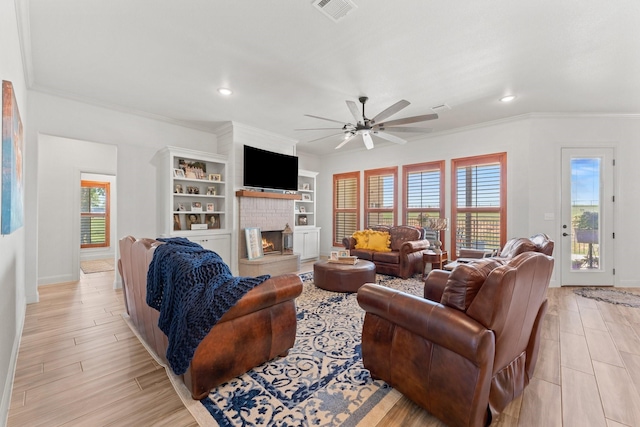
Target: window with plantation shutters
{"points": [[423, 192], [479, 202], [94, 214], [346, 205], [380, 207]]}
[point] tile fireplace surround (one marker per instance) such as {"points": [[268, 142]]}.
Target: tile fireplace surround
{"points": [[268, 214]]}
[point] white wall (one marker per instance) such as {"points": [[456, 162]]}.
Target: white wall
{"points": [[136, 140], [12, 246], [533, 146], [87, 254], [62, 161]]}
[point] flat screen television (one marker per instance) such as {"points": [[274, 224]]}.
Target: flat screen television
{"points": [[266, 169]]}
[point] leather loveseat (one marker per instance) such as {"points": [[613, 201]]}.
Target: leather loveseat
{"points": [[466, 354], [404, 255], [258, 328]]}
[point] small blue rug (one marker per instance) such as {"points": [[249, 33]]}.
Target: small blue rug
{"points": [[322, 381]]}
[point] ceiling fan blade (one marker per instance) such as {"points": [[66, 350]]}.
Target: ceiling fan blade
{"points": [[324, 118], [403, 129], [355, 111], [347, 139], [390, 137], [368, 141], [320, 129], [323, 137], [390, 111], [408, 120]]}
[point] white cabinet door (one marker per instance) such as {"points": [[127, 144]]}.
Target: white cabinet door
{"points": [[219, 243], [307, 243]]}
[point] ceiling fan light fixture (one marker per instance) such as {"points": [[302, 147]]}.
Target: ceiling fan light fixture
{"points": [[225, 91], [508, 98]]}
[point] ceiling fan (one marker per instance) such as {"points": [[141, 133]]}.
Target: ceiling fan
{"points": [[376, 126]]}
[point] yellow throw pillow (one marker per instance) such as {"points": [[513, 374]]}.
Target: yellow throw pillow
{"points": [[379, 241], [362, 239]]}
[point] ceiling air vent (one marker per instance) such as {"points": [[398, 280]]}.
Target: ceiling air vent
{"points": [[334, 9]]}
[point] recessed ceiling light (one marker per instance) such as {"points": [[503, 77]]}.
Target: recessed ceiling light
{"points": [[507, 98], [224, 91]]}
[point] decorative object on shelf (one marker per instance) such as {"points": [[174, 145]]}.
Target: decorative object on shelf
{"points": [[302, 220], [211, 191], [305, 186], [193, 170], [213, 221], [210, 207], [181, 207], [196, 207], [192, 219], [306, 197], [302, 209], [287, 239], [178, 173], [176, 223], [193, 189], [215, 177], [253, 237], [178, 189]]}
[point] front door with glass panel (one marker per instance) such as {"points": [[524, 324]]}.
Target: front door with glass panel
{"points": [[587, 217]]}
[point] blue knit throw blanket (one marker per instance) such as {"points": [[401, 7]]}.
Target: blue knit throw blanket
{"points": [[192, 288]]}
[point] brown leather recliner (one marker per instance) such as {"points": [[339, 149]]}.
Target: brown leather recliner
{"points": [[260, 327], [405, 258], [467, 355]]}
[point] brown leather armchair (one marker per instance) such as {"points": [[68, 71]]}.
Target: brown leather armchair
{"points": [[258, 328], [465, 356], [405, 258]]}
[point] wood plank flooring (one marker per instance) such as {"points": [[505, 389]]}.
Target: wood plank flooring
{"points": [[80, 365]]}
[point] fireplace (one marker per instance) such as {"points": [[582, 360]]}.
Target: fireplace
{"points": [[272, 242]]}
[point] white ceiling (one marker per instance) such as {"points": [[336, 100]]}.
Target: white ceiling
{"points": [[284, 59]]}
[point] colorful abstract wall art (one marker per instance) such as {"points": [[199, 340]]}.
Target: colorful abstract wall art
{"points": [[12, 172]]}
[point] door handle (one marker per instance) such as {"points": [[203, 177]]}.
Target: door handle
{"points": [[565, 234]]}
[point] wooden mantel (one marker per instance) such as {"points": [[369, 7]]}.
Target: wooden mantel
{"points": [[266, 195]]}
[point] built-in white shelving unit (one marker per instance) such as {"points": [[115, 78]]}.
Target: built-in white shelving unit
{"points": [[193, 195], [306, 236]]}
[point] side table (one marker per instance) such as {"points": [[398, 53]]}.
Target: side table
{"points": [[436, 260]]}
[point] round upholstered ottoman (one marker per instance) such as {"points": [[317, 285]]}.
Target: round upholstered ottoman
{"points": [[343, 277]]}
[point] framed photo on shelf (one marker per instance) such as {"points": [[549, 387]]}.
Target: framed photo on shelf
{"points": [[178, 173], [302, 220], [253, 236], [192, 219], [196, 207], [305, 186], [193, 170], [334, 255], [306, 197], [302, 209], [343, 253], [213, 221], [215, 177], [210, 207], [211, 191]]}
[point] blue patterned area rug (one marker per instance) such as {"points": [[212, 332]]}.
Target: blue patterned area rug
{"points": [[322, 381]]}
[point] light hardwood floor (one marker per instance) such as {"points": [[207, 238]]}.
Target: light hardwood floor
{"points": [[79, 364]]}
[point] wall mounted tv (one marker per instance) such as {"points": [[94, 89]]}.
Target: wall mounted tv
{"points": [[266, 169]]}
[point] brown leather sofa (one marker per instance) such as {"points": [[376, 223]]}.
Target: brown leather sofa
{"points": [[260, 327], [404, 260], [464, 356]]}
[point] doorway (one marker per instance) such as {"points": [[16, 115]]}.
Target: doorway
{"points": [[587, 250]]}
